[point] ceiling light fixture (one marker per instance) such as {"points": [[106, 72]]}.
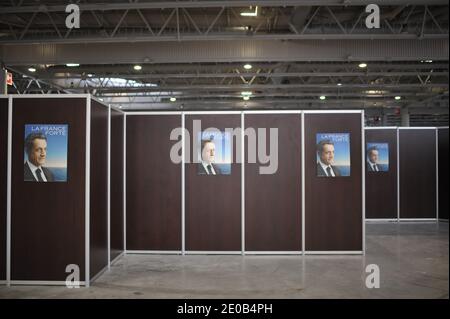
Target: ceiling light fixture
{"points": [[362, 65], [173, 99], [250, 13], [247, 66], [72, 65], [32, 69], [137, 67], [322, 97]]}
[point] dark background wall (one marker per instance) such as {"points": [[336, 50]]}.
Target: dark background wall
{"points": [[116, 183], [333, 206], [3, 182], [417, 148], [98, 188], [48, 219], [213, 203], [273, 202], [443, 172], [153, 184], [381, 187]]}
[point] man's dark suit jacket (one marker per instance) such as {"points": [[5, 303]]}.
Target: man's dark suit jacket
{"points": [[370, 169], [202, 171], [321, 172], [29, 177]]}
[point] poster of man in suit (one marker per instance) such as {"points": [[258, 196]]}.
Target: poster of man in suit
{"points": [[214, 153], [377, 157], [45, 153], [333, 154]]}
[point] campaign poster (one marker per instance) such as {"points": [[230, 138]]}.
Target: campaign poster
{"points": [[333, 154], [45, 152]]}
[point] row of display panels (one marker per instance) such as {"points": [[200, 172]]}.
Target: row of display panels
{"points": [[266, 204], [57, 222], [412, 182], [206, 203]]}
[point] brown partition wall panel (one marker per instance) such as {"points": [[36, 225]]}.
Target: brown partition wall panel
{"points": [[381, 187], [213, 203], [333, 206], [3, 182], [48, 219], [443, 172], [153, 184], [116, 210], [98, 189], [417, 148], [273, 201]]}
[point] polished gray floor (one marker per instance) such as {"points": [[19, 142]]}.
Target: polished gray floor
{"points": [[413, 259]]}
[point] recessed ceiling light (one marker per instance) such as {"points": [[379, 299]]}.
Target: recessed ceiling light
{"points": [[247, 66], [72, 65], [137, 67], [246, 98], [322, 97], [398, 97], [32, 69], [362, 65], [251, 13], [173, 99], [339, 84]]}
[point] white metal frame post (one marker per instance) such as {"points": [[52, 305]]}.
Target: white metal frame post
{"points": [[8, 198], [437, 170], [242, 158], [398, 175], [437, 174], [109, 188], [183, 180], [125, 183], [112, 108], [302, 150], [87, 192], [363, 181]]}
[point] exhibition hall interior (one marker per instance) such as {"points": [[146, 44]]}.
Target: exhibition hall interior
{"points": [[224, 150]]}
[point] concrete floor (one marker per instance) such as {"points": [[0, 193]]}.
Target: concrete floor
{"points": [[413, 259]]}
